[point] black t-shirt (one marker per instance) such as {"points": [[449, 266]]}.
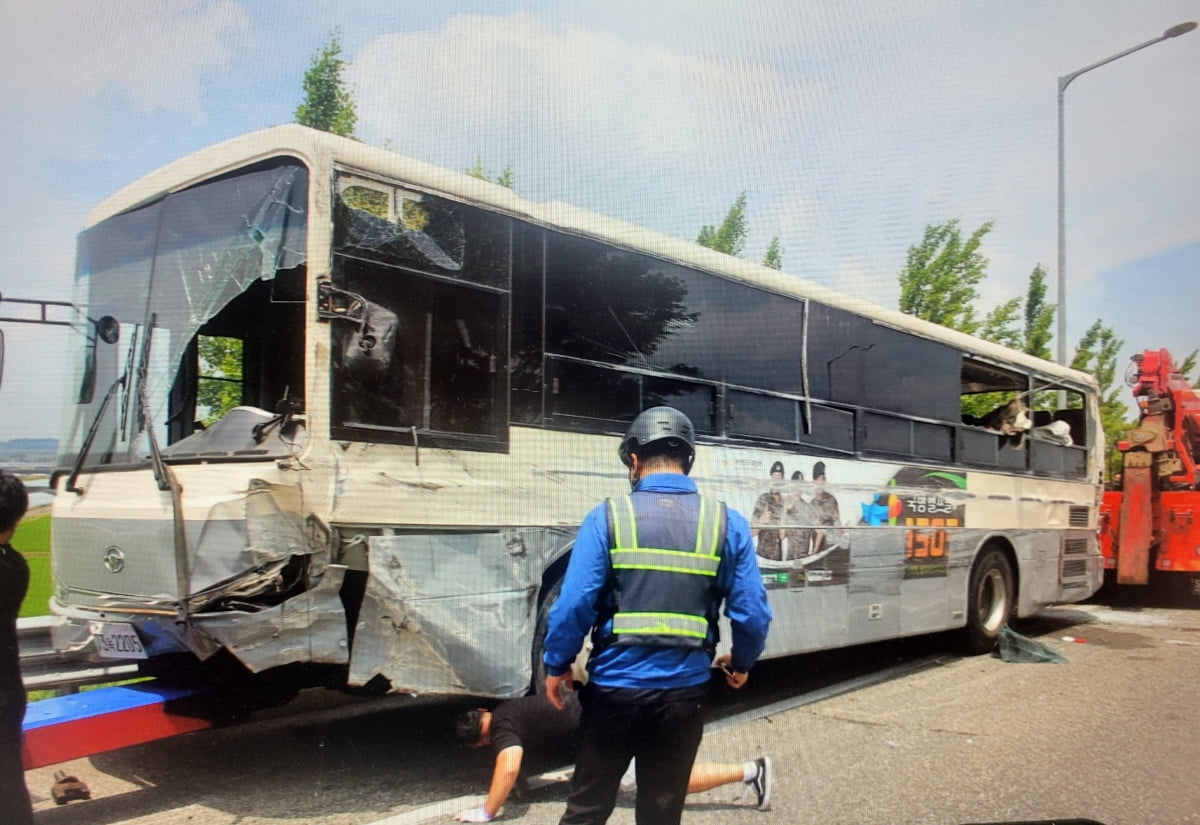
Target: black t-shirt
{"points": [[546, 733], [14, 581]]}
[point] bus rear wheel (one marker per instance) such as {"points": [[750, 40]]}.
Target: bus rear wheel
{"points": [[578, 668], [989, 600], [538, 667]]}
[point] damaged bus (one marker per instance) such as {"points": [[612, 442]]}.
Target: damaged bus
{"points": [[338, 412]]}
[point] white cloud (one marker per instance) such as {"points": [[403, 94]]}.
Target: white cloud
{"points": [[59, 54], [565, 97], [803, 224]]}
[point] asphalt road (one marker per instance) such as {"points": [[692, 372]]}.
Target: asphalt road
{"points": [[1111, 736]]}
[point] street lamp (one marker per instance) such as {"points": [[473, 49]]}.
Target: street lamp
{"points": [[1063, 82]]}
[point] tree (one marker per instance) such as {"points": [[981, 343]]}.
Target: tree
{"points": [[939, 283], [1039, 316], [1000, 325], [507, 178], [1097, 353], [1188, 367], [941, 274], [730, 236], [1003, 325], [219, 388], [328, 104], [774, 254], [1024, 326]]}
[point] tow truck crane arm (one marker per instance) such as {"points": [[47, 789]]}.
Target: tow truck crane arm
{"points": [[1155, 509]]}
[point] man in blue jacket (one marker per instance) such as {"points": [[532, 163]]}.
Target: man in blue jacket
{"points": [[647, 576]]}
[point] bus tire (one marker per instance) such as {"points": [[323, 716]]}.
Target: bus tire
{"points": [[538, 667], [989, 600]]}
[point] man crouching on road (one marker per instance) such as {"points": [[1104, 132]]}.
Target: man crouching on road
{"points": [[647, 576], [531, 729]]}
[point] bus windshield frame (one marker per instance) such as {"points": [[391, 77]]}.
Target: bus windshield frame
{"points": [[181, 258]]}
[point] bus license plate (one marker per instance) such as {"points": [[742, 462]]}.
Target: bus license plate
{"points": [[115, 640]]}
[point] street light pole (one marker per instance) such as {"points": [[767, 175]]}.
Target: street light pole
{"points": [[1063, 82]]}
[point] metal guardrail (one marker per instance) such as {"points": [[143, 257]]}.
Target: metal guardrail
{"points": [[44, 668]]}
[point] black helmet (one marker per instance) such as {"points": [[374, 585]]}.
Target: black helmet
{"points": [[659, 424]]}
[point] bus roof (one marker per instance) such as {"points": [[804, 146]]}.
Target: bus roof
{"points": [[322, 150]]}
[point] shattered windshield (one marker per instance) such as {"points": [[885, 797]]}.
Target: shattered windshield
{"points": [[165, 269]]}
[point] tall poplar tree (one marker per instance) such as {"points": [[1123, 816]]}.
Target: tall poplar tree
{"points": [[1097, 354], [730, 236], [328, 103], [773, 257], [1188, 366], [1039, 316], [940, 277], [1025, 325], [507, 178]]}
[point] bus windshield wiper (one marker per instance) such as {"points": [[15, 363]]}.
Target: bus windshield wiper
{"points": [[160, 467], [163, 475], [160, 472], [91, 436]]}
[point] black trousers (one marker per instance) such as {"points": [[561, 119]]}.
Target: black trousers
{"points": [[661, 728], [15, 808]]}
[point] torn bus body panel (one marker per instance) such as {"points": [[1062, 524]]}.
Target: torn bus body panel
{"points": [[450, 613], [118, 561], [273, 559], [259, 582], [309, 627], [277, 598], [442, 484]]}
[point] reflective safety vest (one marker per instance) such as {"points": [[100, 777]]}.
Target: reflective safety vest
{"points": [[665, 550]]}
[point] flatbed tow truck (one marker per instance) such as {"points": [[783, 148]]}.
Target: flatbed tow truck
{"points": [[63, 728]]}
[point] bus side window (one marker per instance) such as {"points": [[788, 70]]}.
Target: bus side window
{"points": [[1075, 420], [463, 360], [411, 352]]}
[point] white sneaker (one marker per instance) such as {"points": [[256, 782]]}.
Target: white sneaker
{"points": [[629, 778], [762, 782]]}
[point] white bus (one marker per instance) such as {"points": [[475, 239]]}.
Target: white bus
{"points": [[425, 379]]}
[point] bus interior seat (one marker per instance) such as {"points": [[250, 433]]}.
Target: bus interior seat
{"points": [[1075, 420]]}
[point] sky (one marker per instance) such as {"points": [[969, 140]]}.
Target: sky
{"points": [[851, 125]]}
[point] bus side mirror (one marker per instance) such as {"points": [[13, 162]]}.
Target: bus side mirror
{"points": [[365, 351], [108, 329]]}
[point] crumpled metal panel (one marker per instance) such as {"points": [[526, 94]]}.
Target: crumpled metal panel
{"points": [[224, 562], [450, 613], [309, 627]]}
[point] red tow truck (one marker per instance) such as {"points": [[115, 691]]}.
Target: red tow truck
{"points": [[1150, 519]]}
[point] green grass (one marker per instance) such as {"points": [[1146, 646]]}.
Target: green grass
{"points": [[39, 695], [33, 534], [32, 539]]}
